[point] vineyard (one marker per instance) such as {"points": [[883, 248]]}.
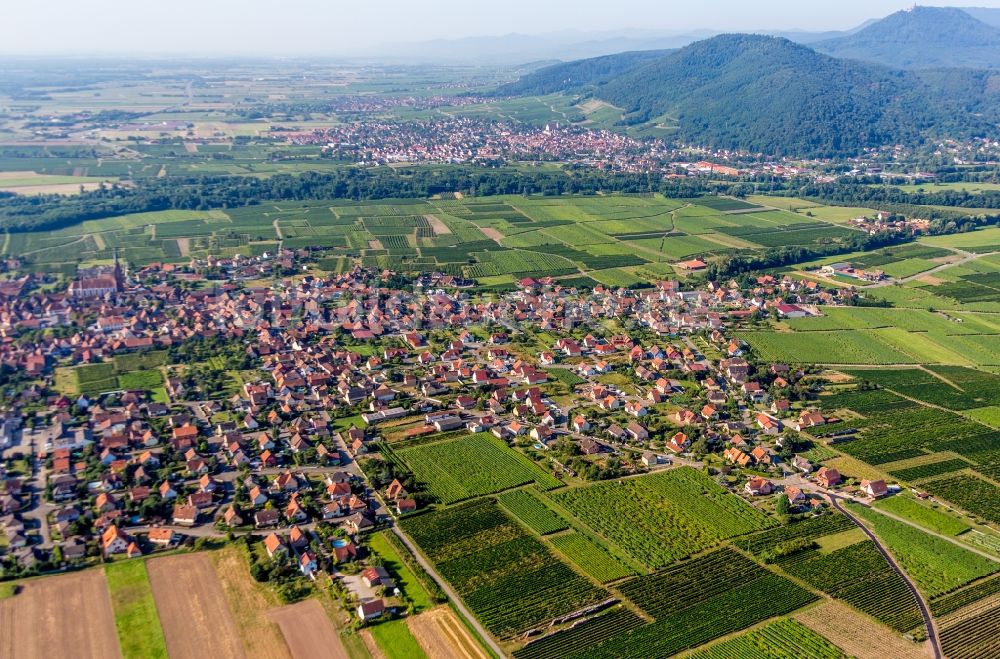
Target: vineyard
{"points": [[960, 389], [973, 637], [582, 636], [929, 470], [945, 604], [936, 565], [745, 604], [471, 466], [530, 510], [977, 496], [663, 517], [508, 578], [806, 529], [860, 576], [782, 639], [590, 557]]}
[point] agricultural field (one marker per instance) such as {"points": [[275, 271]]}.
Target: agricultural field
{"points": [[857, 634], [458, 469], [691, 605], [307, 631], [507, 577], [98, 378], [783, 639], [936, 565], [924, 515], [660, 518], [395, 640], [43, 621], [590, 557], [138, 624], [978, 496], [443, 636], [977, 635], [529, 509], [858, 575], [192, 607]]}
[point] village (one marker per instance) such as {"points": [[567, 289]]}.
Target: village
{"points": [[334, 372]]}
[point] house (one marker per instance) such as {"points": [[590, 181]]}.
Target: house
{"points": [[758, 486], [802, 464], [162, 537], [637, 432], [375, 576], [274, 545], [232, 517], [185, 515], [371, 609], [266, 517], [307, 563], [828, 477], [115, 541], [874, 489], [795, 495], [404, 506]]}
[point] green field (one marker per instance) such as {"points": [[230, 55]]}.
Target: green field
{"points": [[936, 565], [471, 466], [405, 578], [138, 624], [396, 641], [924, 515]]}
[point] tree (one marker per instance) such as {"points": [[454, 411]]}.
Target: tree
{"points": [[781, 505]]}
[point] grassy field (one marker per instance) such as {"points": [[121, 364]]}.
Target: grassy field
{"points": [[136, 619], [405, 579], [396, 641]]}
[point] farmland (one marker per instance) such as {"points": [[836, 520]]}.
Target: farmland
{"points": [[43, 620], [307, 631], [528, 508], [923, 515], [784, 639], [139, 632], [463, 468], [936, 565], [590, 557], [660, 518], [507, 577]]}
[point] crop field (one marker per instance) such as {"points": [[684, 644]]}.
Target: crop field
{"points": [[860, 576], [946, 604], [590, 557], [843, 347], [443, 636], [936, 565], [139, 631], [44, 619], [857, 634], [782, 639], [528, 508], [307, 631], [581, 636], [662, 517], [979, 497], [99, 378], [953, 387], [973, 637], [807, 529], [930, 518], [506, 576], [193, 611], [693, 605], [472, 466]]}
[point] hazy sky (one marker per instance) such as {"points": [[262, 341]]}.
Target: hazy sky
{"points": [[337, 27]]}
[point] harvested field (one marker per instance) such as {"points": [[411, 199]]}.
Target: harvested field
{"points": [[491, 233], [308, 631], [250, 603], [443, 636], [373, 649], [192, 606], [440, 228], [43, 620], [858, 635]]}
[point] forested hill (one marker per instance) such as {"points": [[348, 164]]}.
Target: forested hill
{"points": [[579, 74], [922, 37], [770, 95]]}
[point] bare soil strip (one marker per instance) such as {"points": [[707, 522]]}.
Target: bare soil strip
{"points": [[193, 611], [440, 228], [858, 635], [442, 636], [249, 603], [491, 233], [308, 631], [68, 616]]}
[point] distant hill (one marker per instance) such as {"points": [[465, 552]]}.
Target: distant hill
{"points": [[922, 37], [579, 74], [988, 15], [770, 95]]}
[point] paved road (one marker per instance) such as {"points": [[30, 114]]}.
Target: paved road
{"points": [[932, 635], [451, 593]]}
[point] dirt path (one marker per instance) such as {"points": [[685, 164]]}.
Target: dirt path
{"points": [[184, 246], [67, 616], [308, 631], [442, 636], [446, 587], [277, 230], [925, 612], [196, 619]]}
